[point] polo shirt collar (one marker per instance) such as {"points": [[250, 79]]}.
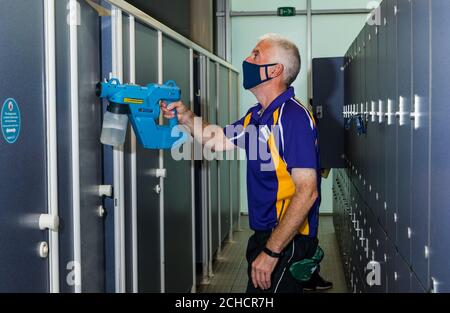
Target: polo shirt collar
{"points": [[276, 103]]}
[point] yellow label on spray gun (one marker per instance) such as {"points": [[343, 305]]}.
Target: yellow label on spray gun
{"points": [[133, 101]]}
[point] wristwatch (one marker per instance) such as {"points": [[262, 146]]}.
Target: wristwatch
{"points": [[271, 253]]}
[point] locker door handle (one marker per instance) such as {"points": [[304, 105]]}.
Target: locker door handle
{"points": [[372, 111], [366, 110], [402, 114], [105, 190], [49, 221], [418, 103], [319, 112], [380, 111], [158, 172], [390, 112]]}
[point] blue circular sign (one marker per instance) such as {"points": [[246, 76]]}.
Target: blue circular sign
{"points": [[10, 120]]}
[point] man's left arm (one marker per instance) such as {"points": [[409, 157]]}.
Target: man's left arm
{"points": [[305, 180]]}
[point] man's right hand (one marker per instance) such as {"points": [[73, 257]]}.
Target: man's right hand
{"points": [[183, 113]]}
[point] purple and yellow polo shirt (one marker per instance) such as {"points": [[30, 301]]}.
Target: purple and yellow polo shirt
{"points": [[282, 137]]}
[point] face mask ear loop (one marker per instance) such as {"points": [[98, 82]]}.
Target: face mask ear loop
{"points": [[267, 70]]}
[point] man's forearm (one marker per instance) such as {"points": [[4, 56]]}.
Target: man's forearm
{"points": [[207, 134], [295, 216]]}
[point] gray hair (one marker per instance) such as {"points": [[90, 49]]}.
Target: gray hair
{"points": [[287, 54]]}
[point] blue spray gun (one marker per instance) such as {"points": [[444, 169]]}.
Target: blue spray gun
{"points": [[141, 105]]}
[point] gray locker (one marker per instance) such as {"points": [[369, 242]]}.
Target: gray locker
{"points": [[372, 59], [371, 246], [381, 257], [234, 164], [402, 275], [363, 98], [416, 286], [360, 93], [404, 125], [388, 133], [383, 82], [328, 102], [148, 228], [224, 165], [391, 253], [23, 191], [213, 168], [440, 172], [369, 157], [90, 150], [420, 156], [177, 195]]}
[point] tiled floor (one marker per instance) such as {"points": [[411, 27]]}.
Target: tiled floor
{"points": [[230, 270]]}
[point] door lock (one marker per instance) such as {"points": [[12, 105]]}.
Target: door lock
{"points": [[43, 249]]}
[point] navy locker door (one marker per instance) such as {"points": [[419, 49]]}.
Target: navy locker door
{"points": [[90, 149], [381, 257], [402, 275], [177, 195], [390, 266], [380, 128], [440, 148], [370, 158], [388, 177], [416, 286], [371, 244], [328, 86], [23, 191], [357, 147], [404, 129], [146, 59], [372, 93], [90, 112], [420, 156], [234, 165], [224, 165], [363, 98], [213, 168]]}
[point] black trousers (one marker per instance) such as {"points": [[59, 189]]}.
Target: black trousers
{"points": [[282, 281]]}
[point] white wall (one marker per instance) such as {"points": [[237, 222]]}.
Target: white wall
{"points": [[331, 36]]}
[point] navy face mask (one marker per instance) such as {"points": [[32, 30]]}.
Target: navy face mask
{"points": [[251, 71]]}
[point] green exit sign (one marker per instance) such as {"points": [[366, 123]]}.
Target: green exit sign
{"points": [[286, 11]]}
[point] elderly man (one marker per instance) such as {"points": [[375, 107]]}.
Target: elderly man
{"points": [[284, 188]]}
